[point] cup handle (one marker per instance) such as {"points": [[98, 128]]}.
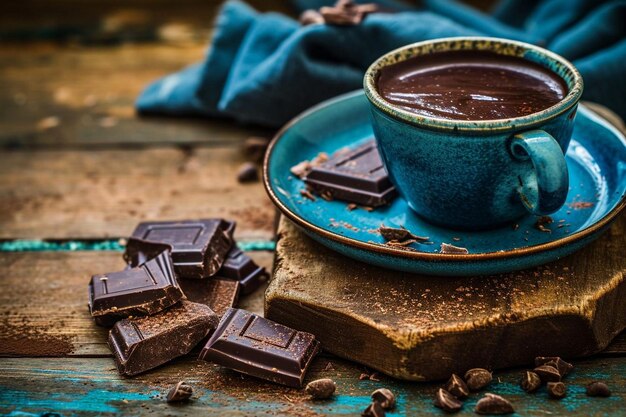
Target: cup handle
{"points": [[548, 193]]}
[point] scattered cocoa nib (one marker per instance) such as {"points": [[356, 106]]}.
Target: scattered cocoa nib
{"points": [[530, 382], [385, 398], [493, 404], [321, 389], [329, 367], [562, 366], [254, 148], [311, 17], [364, 376], [326, 195], [368, 208], [542, 221], [477, 378], [307, 194], [557, 390], [373, 410], [374, 376], [247, 173], [457, 387], [351, 206], [598, 389], [548, 373], [577, 205], [446, 401], [399, 234], [448, 248], [179, 392]]}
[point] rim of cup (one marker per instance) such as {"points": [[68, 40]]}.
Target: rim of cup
{"points": [[533, 53]]}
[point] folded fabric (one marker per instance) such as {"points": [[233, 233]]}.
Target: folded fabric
{"points": [[266, 68]]}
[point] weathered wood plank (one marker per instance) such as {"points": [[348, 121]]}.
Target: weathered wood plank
{"points": [[81, 194], [87, 386], [55, 96], [423, 328], [43, 302]]}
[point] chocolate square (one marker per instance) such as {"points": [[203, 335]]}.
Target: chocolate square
{"points": [[357, 175], [240, 267], [199, 247], [146, 289], [259, 347]]}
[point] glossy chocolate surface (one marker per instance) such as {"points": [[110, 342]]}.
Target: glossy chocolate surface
{"points": [[241, 268], [354, 175], [259, 347], [146, 289], [470, 85], [199, 247]]}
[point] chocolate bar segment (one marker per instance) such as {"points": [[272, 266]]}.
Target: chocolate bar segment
{"points": [[218, 294], [356, 175], [199, 247], [240, 267], [259, 347], [146, 289], [143, 343]]}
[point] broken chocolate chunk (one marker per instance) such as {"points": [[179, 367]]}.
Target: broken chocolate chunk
{"points": [[262, 348], [199, 247], [146, 289], [240, 267], [399, 234], [357, 176], [218, 294], [143, 343]]}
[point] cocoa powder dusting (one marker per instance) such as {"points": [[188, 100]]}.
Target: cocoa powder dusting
{"points": [[25, 340]]}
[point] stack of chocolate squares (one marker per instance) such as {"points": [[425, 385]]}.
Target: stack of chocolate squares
{"points": [[181, 278]]}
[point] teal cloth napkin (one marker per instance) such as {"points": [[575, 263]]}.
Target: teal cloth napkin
{"points": [[265, 68]]}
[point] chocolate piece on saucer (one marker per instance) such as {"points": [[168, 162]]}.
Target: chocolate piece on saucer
{"points": [[143, 343], [199, 247], [146, 289], [240, 267], [259, 347], [356, 175]]}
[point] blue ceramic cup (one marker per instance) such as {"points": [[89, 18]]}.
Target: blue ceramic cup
{"points": [[477, 174]]}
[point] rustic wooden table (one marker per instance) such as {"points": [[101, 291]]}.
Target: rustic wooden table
{"points": [[78, 167]]}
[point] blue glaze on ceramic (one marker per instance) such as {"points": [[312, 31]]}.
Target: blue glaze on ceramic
{"points": [[596, 162], [477, 174]]}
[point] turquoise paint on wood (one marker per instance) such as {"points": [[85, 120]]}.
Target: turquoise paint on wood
{"points": [[91, 386]]}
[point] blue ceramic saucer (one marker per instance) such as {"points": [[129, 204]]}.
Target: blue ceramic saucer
{"points": [[596, 161]]}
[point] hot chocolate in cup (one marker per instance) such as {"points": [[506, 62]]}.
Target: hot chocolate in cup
{"points": [[473, 131]]}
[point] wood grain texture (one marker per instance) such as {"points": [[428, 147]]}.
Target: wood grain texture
{"points": [[91, 92], [423, 328], [81, 194], [43, 302], [90, 386]]}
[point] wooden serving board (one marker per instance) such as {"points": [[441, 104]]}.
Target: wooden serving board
{"points": [[424, 328]]}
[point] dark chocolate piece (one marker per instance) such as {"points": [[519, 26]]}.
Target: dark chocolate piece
{"points": [[143, 343], [240, 267], [259, 347], [199, 247], [218, 294], [146, 289], [357, 176]]}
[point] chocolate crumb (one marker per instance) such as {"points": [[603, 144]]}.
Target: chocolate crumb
{"points": [[448, 248], [307, 194], [542, 221], [254, 148], [598, 389], [399, 234], [385, 397], [351, 206]]}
